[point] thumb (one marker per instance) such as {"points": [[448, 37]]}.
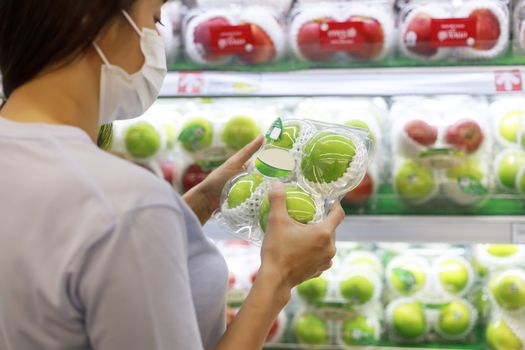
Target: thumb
{"points": [[277, 197]]}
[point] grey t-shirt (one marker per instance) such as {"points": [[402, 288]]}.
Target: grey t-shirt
{"points": [[96, 253]]}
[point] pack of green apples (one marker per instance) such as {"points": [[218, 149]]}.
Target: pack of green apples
{"points": [[502, 297], [442, 150], [343, 306], [318, 163], [508, 117], [429, 293]]}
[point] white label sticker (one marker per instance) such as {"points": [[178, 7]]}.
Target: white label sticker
{"points": [[518, 233]]}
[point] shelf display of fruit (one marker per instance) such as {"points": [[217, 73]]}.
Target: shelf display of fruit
{"points": [[274, 36], [451, 155], [395, 295]]}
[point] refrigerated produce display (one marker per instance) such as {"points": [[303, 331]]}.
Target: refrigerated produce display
{"points": [[425, 102]]}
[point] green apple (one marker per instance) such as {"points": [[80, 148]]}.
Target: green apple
{"points": [[470, 168], [509, 291], [289, 134], [142, 140], [196, 134], [314, 289], [327, 157], [501, 337], [361, 124], [453, 275], [408, 278], [502, 250], [454, 319], [414, 182], [243, 189], [310, 329], [508, 167], [357, 289], [509, 125], [240, 131], [359, 331], [301, 206], [409, 320]]}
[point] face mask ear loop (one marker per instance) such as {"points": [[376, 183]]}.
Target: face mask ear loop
{"points": [[101, 54], [133, 24]]}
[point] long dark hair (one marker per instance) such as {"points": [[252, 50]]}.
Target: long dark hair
{"points": [[37, 34]]}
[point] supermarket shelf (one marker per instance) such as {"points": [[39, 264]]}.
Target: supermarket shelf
{"points": [[421, 229], [332, 347], [348, 82]]}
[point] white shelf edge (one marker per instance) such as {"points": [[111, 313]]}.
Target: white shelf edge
{"points": [[418, 229], [345, 82]]}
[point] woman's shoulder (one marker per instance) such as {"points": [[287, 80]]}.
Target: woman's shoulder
{"points": [[123, 186]]}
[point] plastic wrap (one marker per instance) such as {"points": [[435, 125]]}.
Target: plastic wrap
{"points": [[343, 31], [247, 34], [318, 162], [454, 30]]}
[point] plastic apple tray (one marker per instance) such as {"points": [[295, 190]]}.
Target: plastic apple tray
{"points": [[464, 30], [318, 163], [441, 146], [218, 35], [361, 30]]}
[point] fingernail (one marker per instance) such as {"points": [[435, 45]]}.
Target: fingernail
{"points": [[277, 186]]}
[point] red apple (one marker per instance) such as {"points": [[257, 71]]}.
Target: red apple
{"points": [[421, 132], [361, 193], [420, 30], [193, 176], [263, 47], [231, 280], [309, 40], [169, 170], [373, 38], [202, 36], [488, 29], [465, 135]]}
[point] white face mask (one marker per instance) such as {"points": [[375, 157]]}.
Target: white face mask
{"points": [[126, 96]]}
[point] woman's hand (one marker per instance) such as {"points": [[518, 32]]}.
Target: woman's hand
{"points": [[294, 252], [205, 198]]}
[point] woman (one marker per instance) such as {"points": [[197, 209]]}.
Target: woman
{"points": [[96, 253]]}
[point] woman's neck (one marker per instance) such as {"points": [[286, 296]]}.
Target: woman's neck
{"points": [[67, 95]]}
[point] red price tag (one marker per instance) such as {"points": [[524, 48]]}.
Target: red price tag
{"points": [[231, 40], [453, 32], [508, 81], [337, 36], [190, 83]]}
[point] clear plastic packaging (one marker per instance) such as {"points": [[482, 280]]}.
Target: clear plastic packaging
{"points": [[454, 30], [343, 31], [318, 162], [218, 35], [170, 29], [441, 150], [505, 332], [519, 28], [506, 290]]}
